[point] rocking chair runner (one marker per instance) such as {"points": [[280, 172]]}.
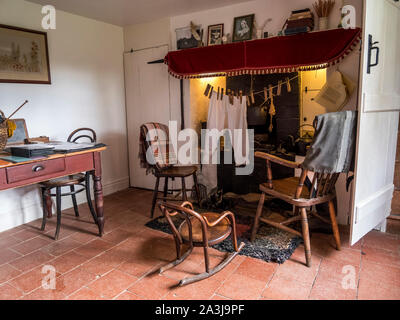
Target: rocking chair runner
{"points": [[200, 230]]}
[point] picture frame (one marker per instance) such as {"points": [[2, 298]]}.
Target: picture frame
{"points": [[243, 28], [24, 56], [20, 133], [215, 34], [185, 38]]}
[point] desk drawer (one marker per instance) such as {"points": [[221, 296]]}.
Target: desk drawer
{"points": [[34, 170]]}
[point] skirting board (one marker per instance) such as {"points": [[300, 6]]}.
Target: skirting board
{"points": [[33, 211]]}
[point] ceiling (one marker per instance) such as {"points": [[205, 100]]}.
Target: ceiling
{"points": [[128, 12]]}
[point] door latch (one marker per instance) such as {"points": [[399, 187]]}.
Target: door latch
{"points": [[372, 46]]}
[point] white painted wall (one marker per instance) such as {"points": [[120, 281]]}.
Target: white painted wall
{"points": [[87, 89]]}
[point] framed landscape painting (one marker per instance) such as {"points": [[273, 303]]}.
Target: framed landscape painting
{"points": [[24, 56]]}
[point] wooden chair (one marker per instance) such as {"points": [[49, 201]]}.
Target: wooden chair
{"points": [[292, 191], [81, 179], [200, 230], [171, 172]]}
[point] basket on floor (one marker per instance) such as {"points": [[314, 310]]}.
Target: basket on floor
{"points": [[3, 132]]}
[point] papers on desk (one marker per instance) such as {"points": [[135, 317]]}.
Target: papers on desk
{"points": [[67, 147], [30, 151]]}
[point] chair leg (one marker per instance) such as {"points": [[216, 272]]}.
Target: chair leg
{"points": [[45, 213], [184, 195], [196, 188], [89, 198], [155, 194], [165, 188], [306, 236], [73, 196], [58, 202], [257, 217], [335, 227]]}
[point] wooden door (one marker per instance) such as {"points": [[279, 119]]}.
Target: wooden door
{"points": [[147, 100], [378, 121]]}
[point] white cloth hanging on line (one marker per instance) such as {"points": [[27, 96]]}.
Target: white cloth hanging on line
{"points": [[225, 118]]}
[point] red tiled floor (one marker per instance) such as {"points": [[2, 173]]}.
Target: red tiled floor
{"points": [[239, 287], [29, 281], [124, 263], [127, 296], [85, 294], [31, 260], [371, 290], [280, 288], [31, 245], [8, 272], [256, 269], [112, 283], [8, 292], [153, 287], [74, 280], [332, 290], [57, 248], [67, 262], [7, 255]]}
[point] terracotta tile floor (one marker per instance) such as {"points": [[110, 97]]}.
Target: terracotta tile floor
{"points": [[120, 265]]}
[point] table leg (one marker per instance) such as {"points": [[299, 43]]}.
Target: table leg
{"points": [[98, 193], [98, 199]]}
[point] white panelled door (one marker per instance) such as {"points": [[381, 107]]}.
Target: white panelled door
{"points": [[378, 117], [147, 100]]}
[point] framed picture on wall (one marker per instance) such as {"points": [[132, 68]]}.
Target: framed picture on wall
{"points": [[186, 38], [215, 34], [243, 28], [24, 56]]}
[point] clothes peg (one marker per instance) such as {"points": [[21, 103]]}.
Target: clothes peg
{"points": [[272, 113], [265, 94], [241, 96], [218, 93], [271, 91], [222, 93], [231, 97], [252, 97], [211, 92], [206, 93], [279, 90], [289, 87]]}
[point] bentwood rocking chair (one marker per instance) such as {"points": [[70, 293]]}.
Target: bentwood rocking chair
{"points": [[330, 154], [81, 180], [200, 230]]}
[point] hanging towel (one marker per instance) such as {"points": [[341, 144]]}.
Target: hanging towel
{"points": [[333, 147]]}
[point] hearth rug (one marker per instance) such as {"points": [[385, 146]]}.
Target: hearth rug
{"points": [[271, 244]]}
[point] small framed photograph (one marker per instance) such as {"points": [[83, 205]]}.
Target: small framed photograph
{"points": [[24, 56], [185, 39], [243, 28], [215, 34]]}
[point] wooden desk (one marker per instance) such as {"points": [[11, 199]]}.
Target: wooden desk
{"points": [[16, 175]]}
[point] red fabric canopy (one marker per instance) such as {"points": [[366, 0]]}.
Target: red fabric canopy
{"points": [[300, 52]]}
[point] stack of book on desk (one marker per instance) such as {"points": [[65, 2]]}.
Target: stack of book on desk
{"points": [[26, 152], [31, 150], [300, 21]]}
